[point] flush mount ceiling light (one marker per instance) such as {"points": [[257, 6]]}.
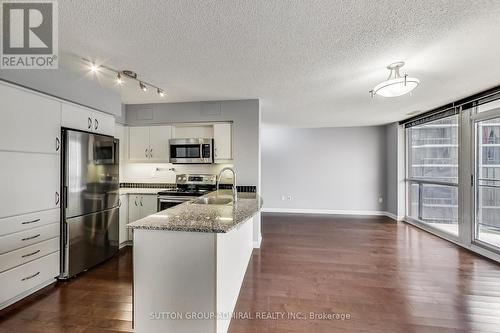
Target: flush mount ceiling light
{"points": [[122, 75], [395, 85]]}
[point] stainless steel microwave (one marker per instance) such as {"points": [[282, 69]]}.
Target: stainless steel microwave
{"points": [[192, 151]]}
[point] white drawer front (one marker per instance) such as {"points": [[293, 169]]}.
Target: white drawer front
{"points": [[18, 223], [29, 253], [28, 237], [28, 276]]}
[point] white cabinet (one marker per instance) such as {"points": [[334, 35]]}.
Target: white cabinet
{"points": [[223, 149], [149, 205], [141, 205], [149, 144], [19, 280], [30, 182], [85, 119], [30, 121], [123, 217], [138, 144], [158, 143]]}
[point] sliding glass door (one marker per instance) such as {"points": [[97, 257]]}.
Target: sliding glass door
{"points": [[487, 179], [432, 174]]}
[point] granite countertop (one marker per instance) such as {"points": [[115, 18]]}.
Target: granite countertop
{"points": [[126, 190], [189, 216]]}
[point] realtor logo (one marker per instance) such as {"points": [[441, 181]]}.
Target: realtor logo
{"points": [[29, 34]]}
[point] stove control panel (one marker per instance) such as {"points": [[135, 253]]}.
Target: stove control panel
{"points": [[196, 179]]}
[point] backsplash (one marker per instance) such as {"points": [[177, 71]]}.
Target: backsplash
{"points": [[147, 185], [241, 188]]}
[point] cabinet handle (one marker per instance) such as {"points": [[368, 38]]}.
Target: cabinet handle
{"points": [[32, 237], [90, 123], [30, 277], [146, 152], [57, 198], [141, 201], [135, 201], [29, 222], [96, 124], [58, 144], [119, 203], [30, 254], [151, 153]]}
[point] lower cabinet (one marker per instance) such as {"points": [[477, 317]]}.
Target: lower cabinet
{"points": [[140, 206], [22, 280]]}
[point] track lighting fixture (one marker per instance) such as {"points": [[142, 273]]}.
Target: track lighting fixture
{"points": [[121, 75]]}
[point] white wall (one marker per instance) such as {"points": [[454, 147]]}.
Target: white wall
{"points": [[333, 169], [395, 174]]}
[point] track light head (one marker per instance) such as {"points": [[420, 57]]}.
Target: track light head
{"points": [[160, 92], [94, 68], [119, 80], [143, 86]]}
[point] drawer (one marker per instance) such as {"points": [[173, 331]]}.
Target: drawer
{"points": [[29, 253], [24, 238], [27, 276], [18, 223]]}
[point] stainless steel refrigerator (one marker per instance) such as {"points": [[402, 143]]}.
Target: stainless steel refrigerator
{"points": [[90, 201]]}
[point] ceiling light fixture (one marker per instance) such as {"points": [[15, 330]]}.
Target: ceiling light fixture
{"points": [[395, 85], [121, 74]]}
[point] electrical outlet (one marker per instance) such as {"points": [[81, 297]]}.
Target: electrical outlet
{"points": [[289, 197], [380, 200], [282, 198]]}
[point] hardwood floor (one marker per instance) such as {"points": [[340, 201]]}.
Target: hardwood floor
{"points": [[387, 276]]}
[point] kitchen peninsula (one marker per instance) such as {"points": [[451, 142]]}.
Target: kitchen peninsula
{"points": [[190, 261]]}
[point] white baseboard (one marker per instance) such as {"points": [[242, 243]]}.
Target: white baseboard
{"points": [[332, 212], [256, 243]]}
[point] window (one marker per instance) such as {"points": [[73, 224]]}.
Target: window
{"points": [[432, 169]]}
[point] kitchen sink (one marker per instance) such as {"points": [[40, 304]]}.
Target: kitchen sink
{"points": [[212, 201]]}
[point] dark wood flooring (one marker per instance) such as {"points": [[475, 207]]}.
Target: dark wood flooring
{"points": [[386, 276]]}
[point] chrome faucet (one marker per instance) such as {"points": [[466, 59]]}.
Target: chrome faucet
{"points": [[235, 191]]}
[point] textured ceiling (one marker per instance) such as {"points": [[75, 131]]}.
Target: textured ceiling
{"points": [[311, 63]]}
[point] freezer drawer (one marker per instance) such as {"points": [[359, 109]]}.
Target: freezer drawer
{"points": [[89, 240]]}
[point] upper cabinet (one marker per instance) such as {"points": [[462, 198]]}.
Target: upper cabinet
{"points": [[85, 119], [149, 144], [223, 148], [30, 122]]}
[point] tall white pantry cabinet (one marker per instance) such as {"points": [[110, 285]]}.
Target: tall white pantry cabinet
{"points": [[30, 159]]}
